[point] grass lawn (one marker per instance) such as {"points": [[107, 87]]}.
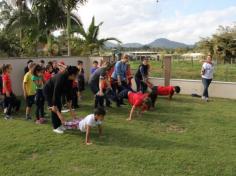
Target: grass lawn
{"points": [[185, 70], [183, 137]]}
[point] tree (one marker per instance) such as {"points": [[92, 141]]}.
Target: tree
{"points": [[90, 41]]}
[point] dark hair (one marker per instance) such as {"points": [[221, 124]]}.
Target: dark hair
{"points": [[72, 70], [42, 61], [95, 62], [48, 66], [100, 111], [29, 61], [37, 69], [145, 58], [177, 89], [148, 102], [50, 63], [79, 62], [5, 67]]}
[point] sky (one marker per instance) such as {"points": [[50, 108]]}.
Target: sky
{"points": [[146, 20]]}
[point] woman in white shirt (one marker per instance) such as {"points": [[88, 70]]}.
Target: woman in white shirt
{"points": [[207, 76]]}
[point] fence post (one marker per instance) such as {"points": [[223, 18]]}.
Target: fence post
{"points": [[167, 70]]}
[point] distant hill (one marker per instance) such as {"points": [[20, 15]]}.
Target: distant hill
{"points": [[158, 43], [165, 43]]}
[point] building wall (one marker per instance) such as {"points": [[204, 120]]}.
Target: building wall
{"points": [[188, 87], [19, 64]]}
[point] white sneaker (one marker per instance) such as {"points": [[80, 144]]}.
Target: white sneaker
{"points": [[58, 131], [203, 98], [62, 128]]}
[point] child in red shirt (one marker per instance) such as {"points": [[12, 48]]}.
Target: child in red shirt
{"points": [[163, 91], [10, 100], [137, 100], [48, 73]]}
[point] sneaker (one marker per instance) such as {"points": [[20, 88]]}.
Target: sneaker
{"points": [[62, 128], [7, 117], [203, 98], [5, 110], [58, 131], [42, 120]]}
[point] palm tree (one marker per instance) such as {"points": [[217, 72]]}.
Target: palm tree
{"points": [[68, 6], [90, 38]]}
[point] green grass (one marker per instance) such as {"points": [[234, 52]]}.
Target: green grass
{"points": [[185, 70], [183, 137]]}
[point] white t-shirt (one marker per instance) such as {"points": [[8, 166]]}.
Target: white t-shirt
{"points": [[88, 121], [209, 70]]}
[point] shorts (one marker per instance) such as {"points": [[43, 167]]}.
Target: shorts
{"points": [[30, 101]]}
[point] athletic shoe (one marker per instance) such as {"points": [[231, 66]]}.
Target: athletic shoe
{"points": [[7, 117], [58, 131], [203, 98], [62, 128], [5, 110], [28, 117], [42, 120]]}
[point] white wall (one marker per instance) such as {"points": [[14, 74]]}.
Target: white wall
{"points": [[217, 88], [19, 64]]}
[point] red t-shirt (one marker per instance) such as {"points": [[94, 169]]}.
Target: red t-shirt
{"points": [[47, 75], [136, 99], [161, 90], [74, 84], [7, 80]]}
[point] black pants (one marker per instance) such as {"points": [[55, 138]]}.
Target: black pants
{"points": [[123, 94], [119, 88], [75, 97], [99, 100], [153, 95], [11, 103], [206, 84], [39, 102], [48, 94], [141, 86]]}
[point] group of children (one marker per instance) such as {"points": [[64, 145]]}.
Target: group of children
{"points": [[59, 84]]}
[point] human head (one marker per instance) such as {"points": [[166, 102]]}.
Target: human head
{"points": [[99, 114], [37, 70], [54, 64], [49, 68], [42, 63], [50, 63], [31, 66], [72, 72], [125, 58], [209, 58], [6, 68], [145, 61], [147, 103], [29, 61], [95, 64], [80, 63], [177, 89]]}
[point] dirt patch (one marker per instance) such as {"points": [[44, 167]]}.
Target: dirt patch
{"points": [[175, 128]]}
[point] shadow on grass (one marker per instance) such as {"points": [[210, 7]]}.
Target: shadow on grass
{"points": [[128, 139]]}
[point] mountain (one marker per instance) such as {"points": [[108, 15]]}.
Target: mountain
{"points": [[158, 43], [165, 43]]}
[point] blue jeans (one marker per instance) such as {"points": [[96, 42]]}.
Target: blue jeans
{"points": [[206, 84]]}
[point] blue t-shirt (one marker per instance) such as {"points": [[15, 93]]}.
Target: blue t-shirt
{"points": [[120, 70]]}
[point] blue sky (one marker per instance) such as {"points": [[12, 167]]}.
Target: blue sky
{"points": [[144, 20]]}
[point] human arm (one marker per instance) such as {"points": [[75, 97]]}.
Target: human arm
{"points": [[88, 131], [131, 113]]}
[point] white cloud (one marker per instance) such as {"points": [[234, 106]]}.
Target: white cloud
{"points": [[139, 21]]}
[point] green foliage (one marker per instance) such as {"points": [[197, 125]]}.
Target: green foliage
{"points": [[222, 44]]}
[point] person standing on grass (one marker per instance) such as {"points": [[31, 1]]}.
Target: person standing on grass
{"points": [[119, 76], [141, 76], [81, 79], [10, 101], [26, 69], [94, 67], [39, 98], [29, 90], [56, 87], [207, 76]]}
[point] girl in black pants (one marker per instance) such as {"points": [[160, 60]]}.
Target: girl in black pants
{"points": [[54, 89], [39, 98]]}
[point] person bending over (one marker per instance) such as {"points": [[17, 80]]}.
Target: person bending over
{"points": [[85, 124], [137, 100], [163, 91], [54, 89]]}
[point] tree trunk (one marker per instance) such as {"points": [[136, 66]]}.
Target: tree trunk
{"points": [[68, 31]]}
